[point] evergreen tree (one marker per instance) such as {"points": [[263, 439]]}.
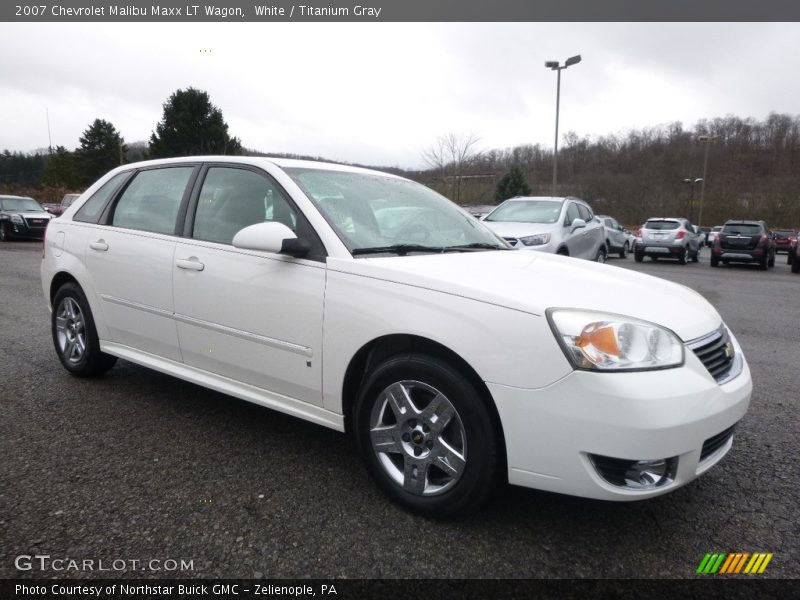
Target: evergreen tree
{"points": [[102, 148], [191, 125], [61, 170], [512, 184]]}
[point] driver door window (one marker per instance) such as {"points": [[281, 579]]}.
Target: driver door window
{"points": [[232, 199]]}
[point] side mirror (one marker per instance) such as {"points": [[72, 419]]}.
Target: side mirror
{"points": [[271, 236], [577, 224]]}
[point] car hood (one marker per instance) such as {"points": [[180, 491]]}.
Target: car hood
{"points": [[30, 215], [534, 282], [517, 230]]}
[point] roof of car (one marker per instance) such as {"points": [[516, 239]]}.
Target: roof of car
{"points": [[8, 197], [258, 161], [743, 222]]}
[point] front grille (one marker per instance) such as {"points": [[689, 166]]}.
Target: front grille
{"points": [[36, 223], [714, 443], [716, 353], [512, 241]]}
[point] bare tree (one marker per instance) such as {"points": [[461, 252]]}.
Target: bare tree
{"points": [[451, 155]]}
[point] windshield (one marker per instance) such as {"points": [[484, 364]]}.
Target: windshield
{"points": [[661, 225], [22, 205], [373, 211], [527, 211]]}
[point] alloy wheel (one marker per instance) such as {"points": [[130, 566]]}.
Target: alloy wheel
{"points": [[70, 330], [418, 438]]}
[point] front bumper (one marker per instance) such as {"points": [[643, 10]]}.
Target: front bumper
{"points": [[17, 230], [551, 432]]}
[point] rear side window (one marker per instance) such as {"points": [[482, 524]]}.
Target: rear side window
{"points": [[585, 213], [92, 209], [152, 200], [662, 225]]}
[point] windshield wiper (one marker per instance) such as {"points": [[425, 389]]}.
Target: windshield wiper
{"points": [[478, 246], [401, 249]]}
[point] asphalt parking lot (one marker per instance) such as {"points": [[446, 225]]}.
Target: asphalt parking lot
{"points": [[139, 465]]}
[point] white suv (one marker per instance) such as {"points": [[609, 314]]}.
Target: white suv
{"points": [[370, 304], [558, 225]]}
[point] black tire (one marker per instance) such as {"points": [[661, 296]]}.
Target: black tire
{"points": [[696, 255], [771, 262], [714, 261], [789, 258], [683, 258], [471, 423], [4, 235], [796, 266], [638, 256], [602, 254], [624, 252], [70, 318]]}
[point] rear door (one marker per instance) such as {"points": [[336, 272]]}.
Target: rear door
{"points": [[130, 256]]}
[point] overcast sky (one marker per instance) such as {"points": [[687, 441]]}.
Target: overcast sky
{"points": [[381, 93]]}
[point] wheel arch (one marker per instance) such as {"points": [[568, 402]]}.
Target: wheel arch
{"points": [[59, 279], [376, 351]]}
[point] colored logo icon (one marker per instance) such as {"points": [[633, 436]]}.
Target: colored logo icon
{"points": [[734, 563]]}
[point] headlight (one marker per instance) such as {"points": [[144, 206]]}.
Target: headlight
{"points": [[597, 341], [535, 240], [16, 219]]}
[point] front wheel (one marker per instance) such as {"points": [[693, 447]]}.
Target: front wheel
{"points": [[601, 254], [624, 252], [427, 436], [4, 237], [75, 336]]}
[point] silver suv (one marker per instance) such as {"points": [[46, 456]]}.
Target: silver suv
{"points": [[557, 225], [668, 238]]}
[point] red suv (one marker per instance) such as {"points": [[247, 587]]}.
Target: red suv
{"points": [[785, 240]]}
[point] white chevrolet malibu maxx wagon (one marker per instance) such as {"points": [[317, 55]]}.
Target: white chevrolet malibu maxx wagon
{"points": [[370, 304]]}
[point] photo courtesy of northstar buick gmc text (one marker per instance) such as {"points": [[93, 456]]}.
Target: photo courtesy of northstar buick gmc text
{"points": [[370, 304]]}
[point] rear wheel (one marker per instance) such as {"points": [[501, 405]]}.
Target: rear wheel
{"points": [[427, 436], [75, 336], [696, 255], [624, 252], [4, 237], [683, 257], [796, 265], [638, 256], [771, 262], [714, 261]]}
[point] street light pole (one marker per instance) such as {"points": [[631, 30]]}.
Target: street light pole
{"points": [[707, 139], [692, 183], [555, 66]]}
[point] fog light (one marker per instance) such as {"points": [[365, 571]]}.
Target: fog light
{"points": [[635, 474], [647, 473]]}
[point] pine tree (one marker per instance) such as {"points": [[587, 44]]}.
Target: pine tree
{"points": [[102, 148], [512, 184], [191, 125]]}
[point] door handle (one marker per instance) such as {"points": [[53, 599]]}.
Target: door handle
{"points": [[98, 245], [192, 264]]}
